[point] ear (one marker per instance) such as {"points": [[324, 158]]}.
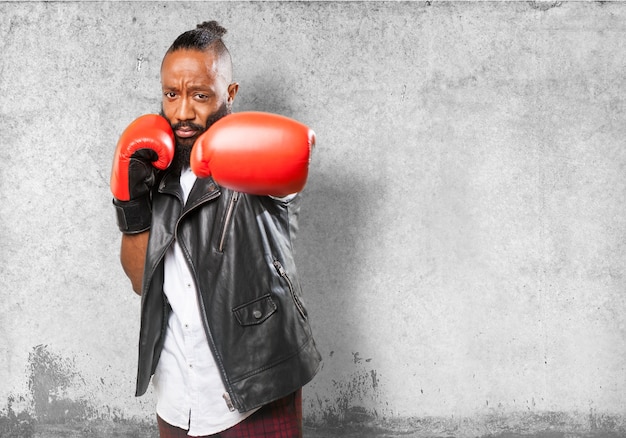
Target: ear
{"points": [[232, 92]]}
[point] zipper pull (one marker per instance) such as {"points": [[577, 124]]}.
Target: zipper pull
{"points": [[279, 268], [228, 401]]}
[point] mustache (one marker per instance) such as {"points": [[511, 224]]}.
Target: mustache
{"points": [[193, 126]]}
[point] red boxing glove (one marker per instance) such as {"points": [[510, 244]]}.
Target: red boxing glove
{"points": [[151, 132], [255, 152], [146, 144]]}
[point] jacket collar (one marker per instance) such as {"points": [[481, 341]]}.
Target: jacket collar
{"points": [[203, 189]]}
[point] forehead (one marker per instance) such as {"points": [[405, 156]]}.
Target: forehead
{"points": [[189, 65]]}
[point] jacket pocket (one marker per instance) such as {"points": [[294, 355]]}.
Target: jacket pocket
{"points": [[255, 312], [296, 299]]}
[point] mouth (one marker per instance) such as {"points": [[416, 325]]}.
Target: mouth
{"points": [[185, 132]]}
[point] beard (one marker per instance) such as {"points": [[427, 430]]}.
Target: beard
{"points": [[182, 153]]}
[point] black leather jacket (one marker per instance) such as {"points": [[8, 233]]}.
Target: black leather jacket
{"points": [[239, 251]]}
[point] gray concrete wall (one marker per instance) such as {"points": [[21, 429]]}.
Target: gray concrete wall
{"points": [[462, 243]]}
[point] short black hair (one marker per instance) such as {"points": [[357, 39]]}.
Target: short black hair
{"points": [[206, 36]]}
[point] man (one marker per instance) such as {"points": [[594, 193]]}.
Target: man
{"points": [[223, 329]]}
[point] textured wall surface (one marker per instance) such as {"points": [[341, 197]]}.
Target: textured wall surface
{"points": [[463, 232]]}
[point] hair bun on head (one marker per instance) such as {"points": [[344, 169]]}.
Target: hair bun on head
{"points": [[213, 27], [206, 35]]}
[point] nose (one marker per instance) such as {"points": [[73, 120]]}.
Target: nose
{"points": [[185, 111]]}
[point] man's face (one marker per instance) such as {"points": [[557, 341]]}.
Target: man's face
{"points": [[196, 93]]}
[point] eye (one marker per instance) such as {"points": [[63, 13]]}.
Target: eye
{"points": [[202, 97], [169, 94]]}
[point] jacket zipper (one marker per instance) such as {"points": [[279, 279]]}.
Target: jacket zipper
{"points": [[209, 334], [296, 300], [218, 360], [229, 215], [228, 401]]}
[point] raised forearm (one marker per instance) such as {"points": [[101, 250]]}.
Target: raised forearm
{"points": [[133, 256]]}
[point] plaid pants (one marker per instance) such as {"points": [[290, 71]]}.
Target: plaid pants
{"points": [[279, 419]]}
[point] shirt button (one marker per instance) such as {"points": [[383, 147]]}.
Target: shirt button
{"points": [[257, 314]]}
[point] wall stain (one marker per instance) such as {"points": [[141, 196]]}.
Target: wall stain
{"points": [[51, 377], [356, 408], [353, 400], [353, 410], [347, 404], [55, 408], [15, 425], [510, 425]]}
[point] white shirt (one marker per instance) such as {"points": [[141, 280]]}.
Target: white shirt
{"points": [[187, 382]]}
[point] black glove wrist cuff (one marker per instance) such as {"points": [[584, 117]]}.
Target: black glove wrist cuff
{"points": [[133, 216]]}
